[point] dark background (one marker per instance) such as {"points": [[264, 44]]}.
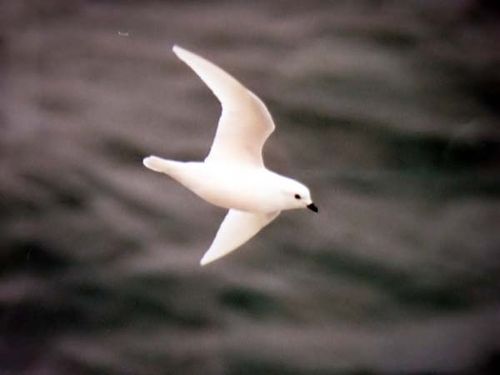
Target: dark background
{"points": [[388, 110]]}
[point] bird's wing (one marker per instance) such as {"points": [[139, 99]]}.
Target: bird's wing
{"points": [[245, 122], [236, 229]]}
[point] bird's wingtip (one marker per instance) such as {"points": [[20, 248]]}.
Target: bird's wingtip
{"points": [[204, 262], [207, 259], [178, 49]]}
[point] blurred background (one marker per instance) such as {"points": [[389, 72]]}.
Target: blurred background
{"points": [[388, 110]]}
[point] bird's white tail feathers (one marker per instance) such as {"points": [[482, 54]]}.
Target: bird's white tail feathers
{"points": [[158, 164]]}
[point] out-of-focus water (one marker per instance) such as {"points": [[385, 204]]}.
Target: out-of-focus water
{"points": [[388, 110]]}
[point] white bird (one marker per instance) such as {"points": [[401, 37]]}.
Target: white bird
{"points": [[233, 175]]}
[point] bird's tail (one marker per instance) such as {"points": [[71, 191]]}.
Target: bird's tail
{"points": [[159, 165]]}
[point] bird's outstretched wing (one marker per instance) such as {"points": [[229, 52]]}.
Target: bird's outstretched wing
{"points": [[245, 122], [236, 229]]}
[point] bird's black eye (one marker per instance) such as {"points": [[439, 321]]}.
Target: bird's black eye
{"points": [[297, 196]]}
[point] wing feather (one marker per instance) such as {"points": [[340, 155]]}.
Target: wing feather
{"points": [[245, 123], [236, 229]]}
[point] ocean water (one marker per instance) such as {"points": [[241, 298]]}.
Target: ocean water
{"points": [[388, 110]]}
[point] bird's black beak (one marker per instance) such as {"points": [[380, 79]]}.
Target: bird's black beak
{"points": [[313, 207]]}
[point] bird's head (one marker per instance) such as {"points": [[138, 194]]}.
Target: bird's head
{"points": [[297, 195]]}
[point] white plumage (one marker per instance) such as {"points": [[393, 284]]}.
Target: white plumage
{"points": [[233, 174]]}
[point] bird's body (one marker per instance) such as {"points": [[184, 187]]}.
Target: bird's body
{"points": [[228, 186], [233, 175]]}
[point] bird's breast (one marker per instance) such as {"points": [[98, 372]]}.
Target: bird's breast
{"points": [[239, 188]]}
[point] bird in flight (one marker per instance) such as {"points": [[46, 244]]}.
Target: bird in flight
{"points": [[233, 175]]}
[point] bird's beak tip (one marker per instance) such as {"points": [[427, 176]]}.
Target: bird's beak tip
{"points": [[313, 207]]}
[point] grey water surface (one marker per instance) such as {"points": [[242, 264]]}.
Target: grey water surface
{"points": [[388, 110]]}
